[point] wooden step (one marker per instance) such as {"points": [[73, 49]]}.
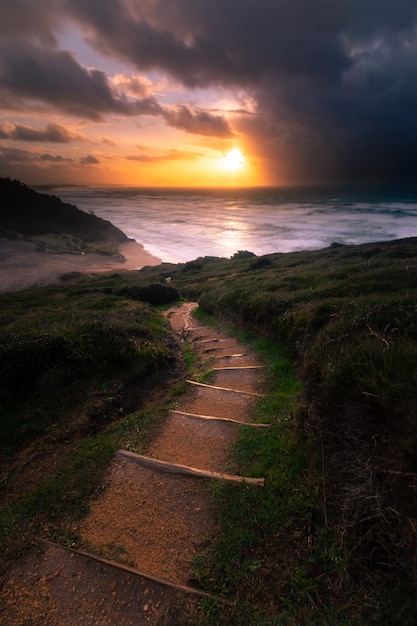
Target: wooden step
{"points": [[237, 367], [135, 572], [174, 468], [222, 349], [220, 419], [210, 340], [247, 393]]}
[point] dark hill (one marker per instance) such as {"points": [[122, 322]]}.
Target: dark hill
{"points": [[25, 212]]}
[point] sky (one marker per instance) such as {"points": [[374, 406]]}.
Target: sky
{"points": [[208, 92]]}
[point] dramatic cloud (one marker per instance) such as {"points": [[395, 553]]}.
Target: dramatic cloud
{"points": [[133, 85], [54, 158], [53, 133], [57, 79], [198, 123], [333, 83], [27, 160], [234, 42], [89, 159], [25, 18], [339, 77]]}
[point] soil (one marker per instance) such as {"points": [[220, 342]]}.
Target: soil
{"points": [[152, 522]]}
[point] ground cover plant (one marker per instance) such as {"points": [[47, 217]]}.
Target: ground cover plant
{"points": [[59, 347], [76, 366], [347, 317], [334, 540]]}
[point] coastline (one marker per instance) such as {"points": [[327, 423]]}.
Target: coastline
{"points": [[22, 266]]}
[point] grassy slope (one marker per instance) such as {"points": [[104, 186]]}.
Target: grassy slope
{"points": [[347, 315], [76, 365], [335, 540]]}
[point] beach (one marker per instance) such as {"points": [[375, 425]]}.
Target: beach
{"points": [[23, 266]]}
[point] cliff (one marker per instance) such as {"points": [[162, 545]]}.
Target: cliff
{"points": [[53, 224]]}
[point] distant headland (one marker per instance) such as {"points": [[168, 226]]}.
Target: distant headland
{"points": [[43, 239]]}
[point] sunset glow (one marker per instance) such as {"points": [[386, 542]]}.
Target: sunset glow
{"points": [[150, 93], [233, 160]]}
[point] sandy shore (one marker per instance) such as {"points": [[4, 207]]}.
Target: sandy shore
{"points": [[21, 266]]}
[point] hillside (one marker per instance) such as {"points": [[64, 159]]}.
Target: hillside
{"points": [[334, 540], [53, 224]]}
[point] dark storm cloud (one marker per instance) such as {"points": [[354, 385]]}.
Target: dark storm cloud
{"points": [[198, 123], [334, 82], [56, 78], [206, 41], [26, 18]]}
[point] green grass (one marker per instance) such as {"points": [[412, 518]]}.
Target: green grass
{"points": [[350, 330], [242, 563], [282, 554], [332, 539], [76, 364], [59, 349]]}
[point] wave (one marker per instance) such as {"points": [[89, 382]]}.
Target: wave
{"points": [[182, 224]]}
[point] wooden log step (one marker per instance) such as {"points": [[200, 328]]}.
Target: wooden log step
{"points": [[197, 338], [248, 393], [237, 367], [219, 349], [220, 419], [174, 468], [229, 356], [207, 339], [199, 328], [140, 574], [217, 340]]}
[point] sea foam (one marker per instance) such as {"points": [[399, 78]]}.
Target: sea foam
{"points": [[179, 225]]}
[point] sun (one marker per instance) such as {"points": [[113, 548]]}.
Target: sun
{"points": [[233, 160]]}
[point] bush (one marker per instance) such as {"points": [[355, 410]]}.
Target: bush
{"points": [[156, 294], [243, 254]]}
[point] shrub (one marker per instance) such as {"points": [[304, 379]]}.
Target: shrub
{"points": [[156, 294], [243, 254]]}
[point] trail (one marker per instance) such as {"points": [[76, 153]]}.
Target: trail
{"points": [[155, 511]]}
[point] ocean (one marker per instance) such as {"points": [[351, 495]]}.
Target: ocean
{"points": [[179, 225]]}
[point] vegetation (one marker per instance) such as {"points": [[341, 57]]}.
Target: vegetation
{"points": [[331, 539], [77, 365], [346, 315], [62, 349]]}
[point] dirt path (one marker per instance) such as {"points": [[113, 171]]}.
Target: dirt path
{"points": [[157, 522]]}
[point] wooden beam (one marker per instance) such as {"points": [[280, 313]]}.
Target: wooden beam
{"points": [[221, 419], [248, 393], [238, 367], [136, 572], [174, 468]]}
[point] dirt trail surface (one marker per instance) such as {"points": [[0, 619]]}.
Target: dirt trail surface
{"points": [[157, 522]]}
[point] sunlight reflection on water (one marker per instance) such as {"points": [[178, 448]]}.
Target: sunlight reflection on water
{"points": [[180, 225]]}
